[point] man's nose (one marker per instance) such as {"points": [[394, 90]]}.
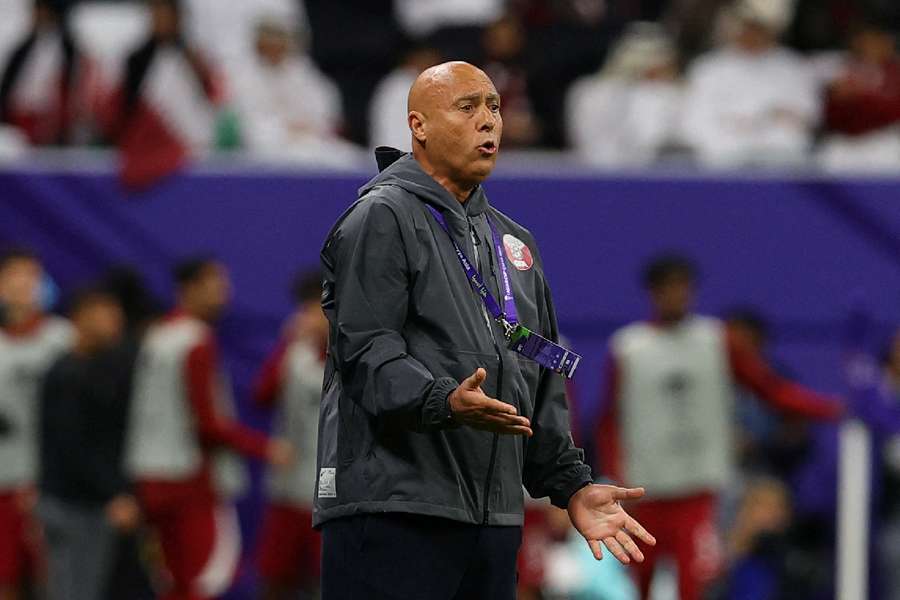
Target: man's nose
{"points": [[488, 120]]}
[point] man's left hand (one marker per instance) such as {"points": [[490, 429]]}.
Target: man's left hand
{"points": [[597, 514]]}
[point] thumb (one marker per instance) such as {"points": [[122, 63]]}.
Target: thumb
{"points": [[476, 379]]}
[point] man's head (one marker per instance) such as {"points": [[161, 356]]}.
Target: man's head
{"points": [[309, 320], [20, 281], [165, 18], [98, 318], [274, 41], [872, 43], [204, 288], [454, 117], [759, 23], [670, 282], [748, 327]]}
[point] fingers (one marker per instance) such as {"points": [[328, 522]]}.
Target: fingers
{"points": [[496, 406], [626, 542], [620, 493], [596, 549], [617, 550], [506, 421], [503, 428], [474, 381], [635, 528]]}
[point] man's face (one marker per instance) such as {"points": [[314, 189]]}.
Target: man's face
{"points": [[100, 321], [873, 46], [164, 19], [673, 298], [20, 283], [463, 127], [273, 46], [212, 291], [755, 38]]}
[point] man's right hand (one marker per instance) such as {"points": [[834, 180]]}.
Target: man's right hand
{"points": [[470, 406]]}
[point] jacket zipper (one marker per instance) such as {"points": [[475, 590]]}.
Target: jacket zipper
{"points": [[487, 319]]}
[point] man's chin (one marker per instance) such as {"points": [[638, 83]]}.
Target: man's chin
{"points": [[482, 168]]}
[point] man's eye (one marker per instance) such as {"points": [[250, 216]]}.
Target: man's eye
{"points": [[466, 107], [495, 108]]}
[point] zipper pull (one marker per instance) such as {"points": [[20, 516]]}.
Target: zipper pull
{"points": [[474, 234]]}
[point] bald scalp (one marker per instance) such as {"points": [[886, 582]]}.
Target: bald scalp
{"points": [[441, 82]]}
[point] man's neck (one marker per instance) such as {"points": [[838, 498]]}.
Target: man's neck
{"points": [[84, 346], [461, 192], [185, 308], [20, 316]]}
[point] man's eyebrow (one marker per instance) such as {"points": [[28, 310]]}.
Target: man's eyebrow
{"points": [[476, 97]]}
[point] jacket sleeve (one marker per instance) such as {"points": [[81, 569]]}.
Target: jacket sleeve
{"points": [[554, 466], [366, 261]]}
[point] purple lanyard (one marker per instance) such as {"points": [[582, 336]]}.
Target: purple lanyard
{"points": [[506, 316]]}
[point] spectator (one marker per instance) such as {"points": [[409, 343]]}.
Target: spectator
{"points": [[286, 107], [180, 425], [49, 89], [29, 343], [863, 105], [387, 113], [84, 495], [666, 420], [767, 443], [759, 548], [357, 43], [291, 383], [751, 102], [566, 40], [627, 115], [454, 27], [504, 62], [165, 111]]}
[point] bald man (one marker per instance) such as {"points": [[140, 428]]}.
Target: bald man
{"points": [[432, 418]]}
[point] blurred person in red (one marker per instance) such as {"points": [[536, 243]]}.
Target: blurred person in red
{"points": [[751, 101], [181, 434], [291, 383], [667, 420], [49, 89], [85, 497], [164, 111], [862, 110], [30, 341]]}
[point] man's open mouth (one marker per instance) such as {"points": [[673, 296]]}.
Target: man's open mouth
{"points": [[488, 147]]}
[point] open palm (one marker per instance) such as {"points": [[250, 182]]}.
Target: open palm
{"points": [[597, 514]]}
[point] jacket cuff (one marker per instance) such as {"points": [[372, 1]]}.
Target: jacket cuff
{"points": [[580, 478], [436, 412]]}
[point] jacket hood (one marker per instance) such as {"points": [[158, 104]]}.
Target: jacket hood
{"points": [[402, 170]]}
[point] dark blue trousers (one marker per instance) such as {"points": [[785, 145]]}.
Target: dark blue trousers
{"points": [[396, 556]]}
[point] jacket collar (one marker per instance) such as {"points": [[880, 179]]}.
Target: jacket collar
{"points": [[401, 169]]}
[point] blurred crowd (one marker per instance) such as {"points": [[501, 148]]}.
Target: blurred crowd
{"points": [[121, 452], [627, 84], [118, 419]]}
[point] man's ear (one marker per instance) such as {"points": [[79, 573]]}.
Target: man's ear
{"points": [[416, 122]]}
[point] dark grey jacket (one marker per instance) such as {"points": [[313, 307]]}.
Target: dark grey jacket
{"points": [[406, 328]]}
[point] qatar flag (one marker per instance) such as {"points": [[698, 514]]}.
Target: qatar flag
{"points": [[166, 112], [50, 91]]}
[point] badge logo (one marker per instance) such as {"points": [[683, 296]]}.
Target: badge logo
{"points": [[517, 252], [327, 481]]}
